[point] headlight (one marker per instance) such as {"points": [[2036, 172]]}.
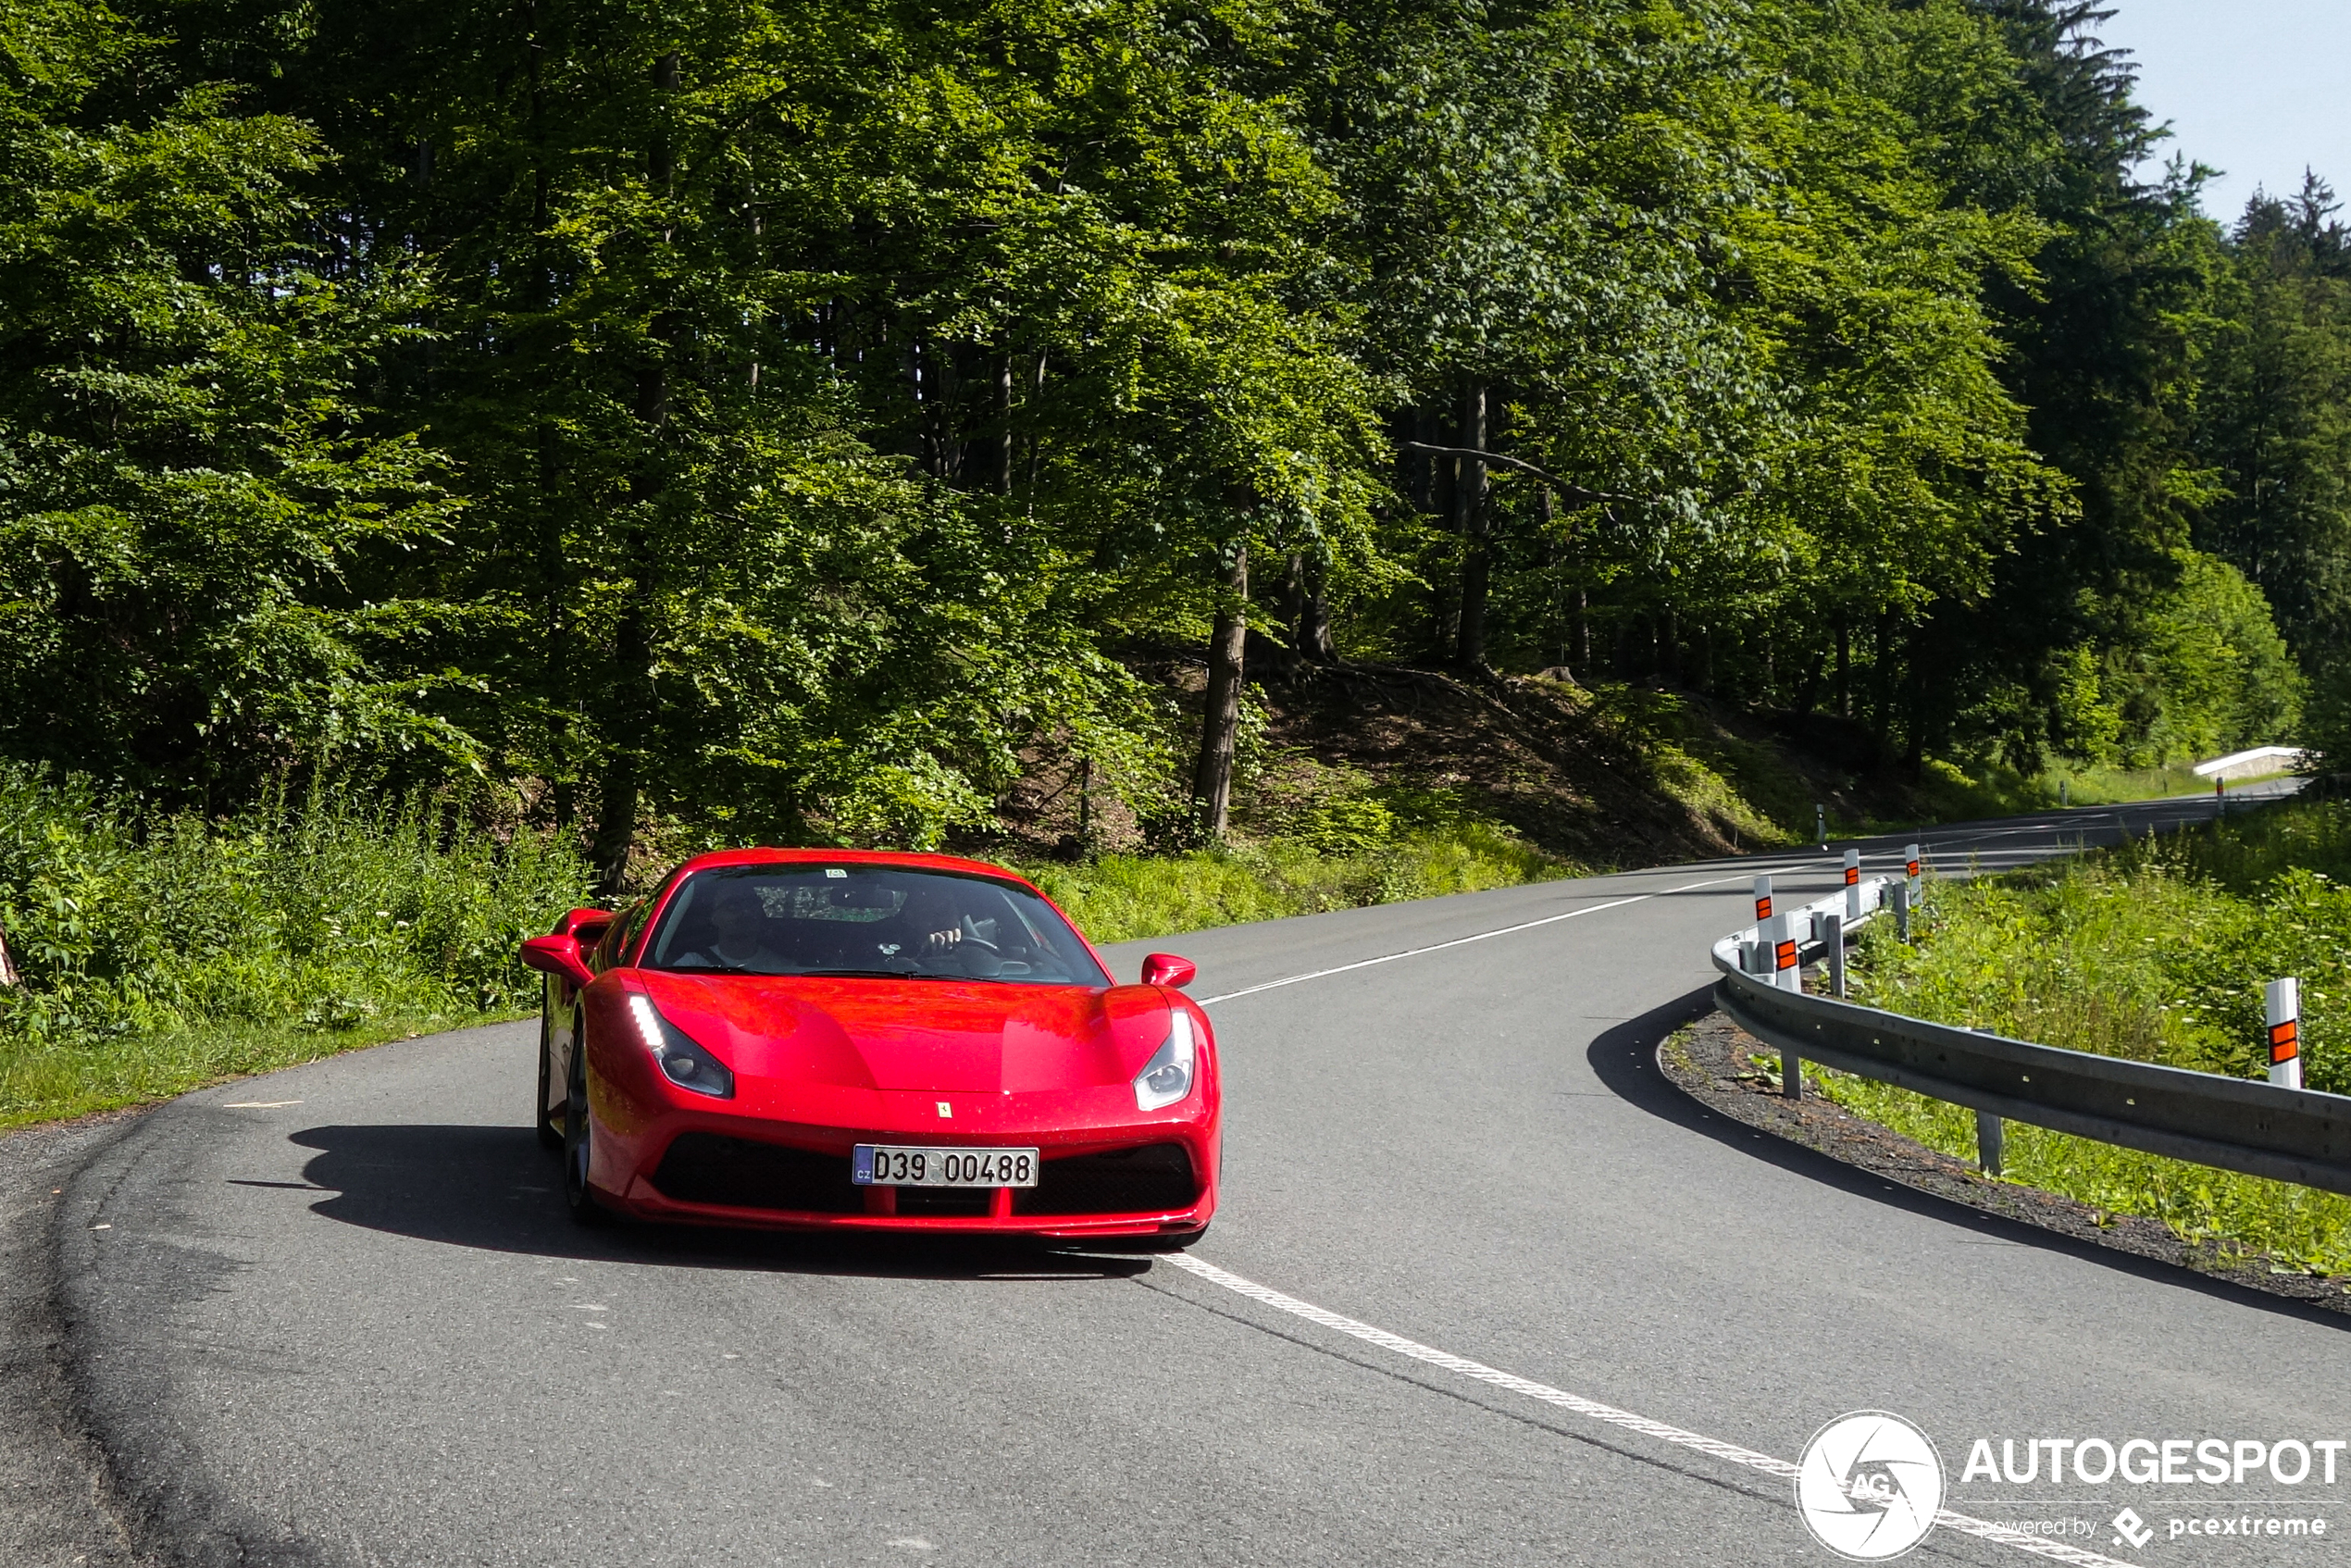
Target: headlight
{"points": [[1167, 1077], [682, 1059]]}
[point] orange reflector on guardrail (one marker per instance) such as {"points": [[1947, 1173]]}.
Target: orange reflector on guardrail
{"points": [[1783, 956], [2285, 1040]]}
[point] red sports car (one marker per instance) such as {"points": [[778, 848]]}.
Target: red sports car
{"points": [[843, 1039]]}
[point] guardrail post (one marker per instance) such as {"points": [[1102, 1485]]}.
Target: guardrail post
{"points": [[2284, 1008], [1852, 887], [2064, 794], [1835, 936], [1756, 958], [1901, 891], [1990, 1133], [1779, 940]]}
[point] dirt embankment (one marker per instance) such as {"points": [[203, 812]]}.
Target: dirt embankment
{"points": [[1600, 777]]}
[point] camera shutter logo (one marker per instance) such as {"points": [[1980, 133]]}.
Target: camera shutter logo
{"points": [[1869, 1485]]}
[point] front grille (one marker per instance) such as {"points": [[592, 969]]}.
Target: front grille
{"points": [[702, 1167], [1154, 1178], [965, 1200]]}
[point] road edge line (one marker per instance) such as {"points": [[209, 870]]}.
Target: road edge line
{"points": [[1982, 1529]]}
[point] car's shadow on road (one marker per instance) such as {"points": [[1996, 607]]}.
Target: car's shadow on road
{"points": [[1624, 1059], [497, 1189]]}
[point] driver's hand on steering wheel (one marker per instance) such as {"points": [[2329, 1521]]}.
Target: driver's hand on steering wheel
{"points": [[947, 938]]}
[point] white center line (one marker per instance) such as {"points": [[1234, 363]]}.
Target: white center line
{"points": [[1459, 942], [1795, 868], [1713, 1447]]}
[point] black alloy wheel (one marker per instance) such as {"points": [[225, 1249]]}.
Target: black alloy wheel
{"points": [[579, 1197]]}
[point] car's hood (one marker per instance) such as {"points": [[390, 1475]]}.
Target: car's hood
{"points": [[962, 1036]]}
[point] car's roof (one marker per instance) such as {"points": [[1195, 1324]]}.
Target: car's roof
{"points": [[908, 858]]}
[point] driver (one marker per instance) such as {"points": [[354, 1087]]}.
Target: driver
{"points": [[930, 918], [928, 924]]}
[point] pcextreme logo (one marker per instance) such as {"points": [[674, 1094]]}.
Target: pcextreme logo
{"points": [[1869, 1485]]}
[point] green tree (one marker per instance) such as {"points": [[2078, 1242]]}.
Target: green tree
{"points": [[189, 485]]}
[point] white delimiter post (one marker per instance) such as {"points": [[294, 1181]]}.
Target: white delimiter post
{"points": [[1853, 887], [1762, 949], [1779, 940], [2285, 999]]}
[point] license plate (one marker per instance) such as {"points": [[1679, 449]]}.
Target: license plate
{"points": [[893, 1165]]}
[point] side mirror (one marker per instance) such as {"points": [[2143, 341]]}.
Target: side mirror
{"points": [[1166, 969], [558, 956], [585, 924]]}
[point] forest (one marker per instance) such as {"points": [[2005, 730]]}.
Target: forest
{"points": [[795, 420]]}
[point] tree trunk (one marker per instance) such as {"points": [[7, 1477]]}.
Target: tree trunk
{"points": [[1882, 688], [1579, 633], [1843, 668], [1314, 620], [1004, 422], [1294, 612], [1432, 491], [628, 720], [1220, 723], [1470, 519]]}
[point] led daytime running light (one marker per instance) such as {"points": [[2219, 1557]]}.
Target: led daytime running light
{"points": [[683, 1060]]}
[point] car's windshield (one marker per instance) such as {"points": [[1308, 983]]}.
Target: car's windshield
{"points": [[864, 919]]}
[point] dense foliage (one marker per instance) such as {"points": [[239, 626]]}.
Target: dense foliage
{"points": [[161, 952], [790, 417]]}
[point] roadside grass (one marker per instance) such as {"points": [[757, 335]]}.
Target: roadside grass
{"points": [[2156, 952], [160, 953], [1119, 897], [1951, 792]]}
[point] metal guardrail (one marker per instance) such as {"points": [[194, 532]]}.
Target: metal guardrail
{"points": [[2236, 1123]]}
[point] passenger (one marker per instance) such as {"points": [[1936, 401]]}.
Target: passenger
{"points": [[736, 933]]}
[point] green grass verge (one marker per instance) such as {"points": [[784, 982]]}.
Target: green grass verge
{"points": [[1120, 898], [162, 953], [2157, 952]]}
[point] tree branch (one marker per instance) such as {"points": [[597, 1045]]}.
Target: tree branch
{"points": [[1574, 494]]}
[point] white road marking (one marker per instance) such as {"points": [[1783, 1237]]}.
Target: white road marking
{"points": [[1712, 1446], [1794, 867], [259, 1104], [1461, 941]]}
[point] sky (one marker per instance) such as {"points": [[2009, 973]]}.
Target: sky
{"points": [[2258, 88]]}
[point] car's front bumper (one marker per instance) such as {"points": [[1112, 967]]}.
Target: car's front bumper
{"points": [[1101, 1175]]}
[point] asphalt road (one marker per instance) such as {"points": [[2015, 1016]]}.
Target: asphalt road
{"points": [[336, 1314]]}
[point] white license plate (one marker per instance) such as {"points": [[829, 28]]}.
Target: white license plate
{"points": [[898, 1164]]}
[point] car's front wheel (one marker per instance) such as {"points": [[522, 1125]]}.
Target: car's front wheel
{"points": [[579, 1197]]}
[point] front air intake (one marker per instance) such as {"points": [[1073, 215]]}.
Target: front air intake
{"points": [[702, 1167], [1156, 1178]]}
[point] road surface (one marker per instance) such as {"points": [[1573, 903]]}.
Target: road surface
{"points": [[336, 1314]]}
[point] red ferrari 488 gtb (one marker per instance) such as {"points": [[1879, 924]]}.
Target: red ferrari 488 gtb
{"points": [[835, 1039]]}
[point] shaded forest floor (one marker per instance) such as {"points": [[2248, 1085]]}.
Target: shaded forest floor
{"points": [[1593, 778]]}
